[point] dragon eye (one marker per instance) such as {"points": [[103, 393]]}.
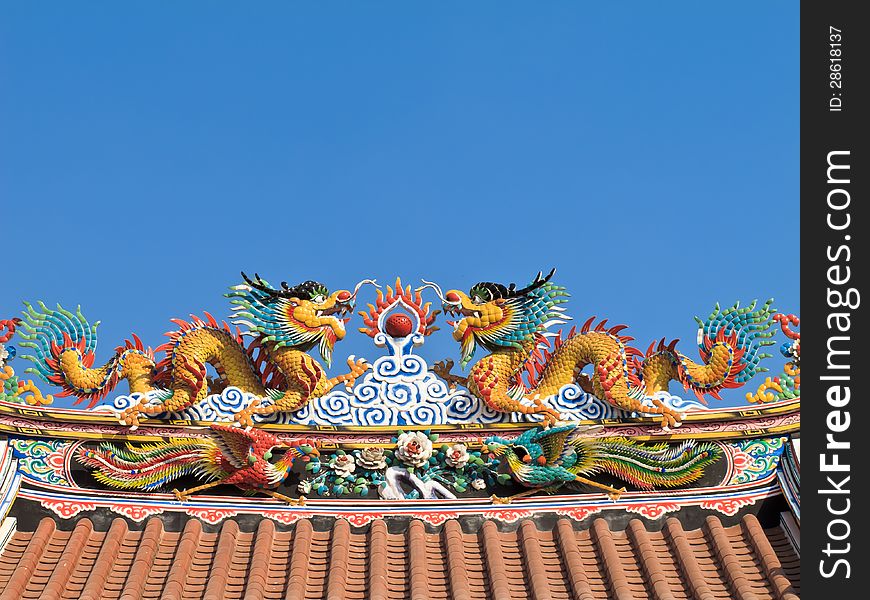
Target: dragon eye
{"points": [[477, 300], [319, 299]]}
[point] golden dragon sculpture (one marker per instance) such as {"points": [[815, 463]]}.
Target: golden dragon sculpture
{"points": [[284, 323], [511, 324]]}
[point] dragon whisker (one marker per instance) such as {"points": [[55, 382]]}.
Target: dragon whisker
{"points": [[356, 288], [434, 286]]}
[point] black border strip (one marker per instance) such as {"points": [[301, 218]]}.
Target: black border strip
{"points": [[833, 97]]}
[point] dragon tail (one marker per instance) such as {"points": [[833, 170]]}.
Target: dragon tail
{"points": [[63, 347], [63, 350], [645, 466], [730, 342], [150, 467]]}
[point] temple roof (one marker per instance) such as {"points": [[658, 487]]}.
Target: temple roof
{"points": [[458, 560], [400, 483]]}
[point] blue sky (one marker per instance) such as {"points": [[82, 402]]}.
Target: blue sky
{"points": [[151, 151]]}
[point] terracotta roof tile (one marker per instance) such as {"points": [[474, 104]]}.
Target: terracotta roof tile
{"points": [[298, 572], [181, 563], [223, 559], [24, 557], [105, 562], [417, 561], [451, 552], [769, 559], [497, 580], [562, 563], [378, 585], [144, 549], [575, 571]]}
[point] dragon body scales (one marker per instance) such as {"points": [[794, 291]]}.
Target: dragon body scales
{"points": [[512, 325], [284, 323]]}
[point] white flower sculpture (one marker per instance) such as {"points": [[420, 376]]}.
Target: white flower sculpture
{"points": [[414, 448], [343, 464], [372, 458], [457, 456]]}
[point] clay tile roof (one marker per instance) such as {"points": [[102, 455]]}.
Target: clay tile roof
{"points": [[740, 561]]}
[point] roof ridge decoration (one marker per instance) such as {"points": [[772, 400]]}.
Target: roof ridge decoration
{"points": [[455, 479], [528, 374], [14, 389]]}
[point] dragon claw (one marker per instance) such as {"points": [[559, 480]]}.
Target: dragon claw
{"points": [[670, 420], [130, 417], [499, 499], [357, 367], [442, 366], [550, 416], [245, 417], [442, 369], [668, 417], [180, 495]]}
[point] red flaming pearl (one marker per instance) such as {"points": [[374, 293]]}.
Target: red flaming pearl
{"points": [[398, 325]]}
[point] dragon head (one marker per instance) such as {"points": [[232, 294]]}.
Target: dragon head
{"points": [[502, 317], [299, 316]]}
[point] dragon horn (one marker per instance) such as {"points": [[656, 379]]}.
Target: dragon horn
{"points": [[259, 284], [538, 282], [356, 288], [285, 292], [434, 286]]}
